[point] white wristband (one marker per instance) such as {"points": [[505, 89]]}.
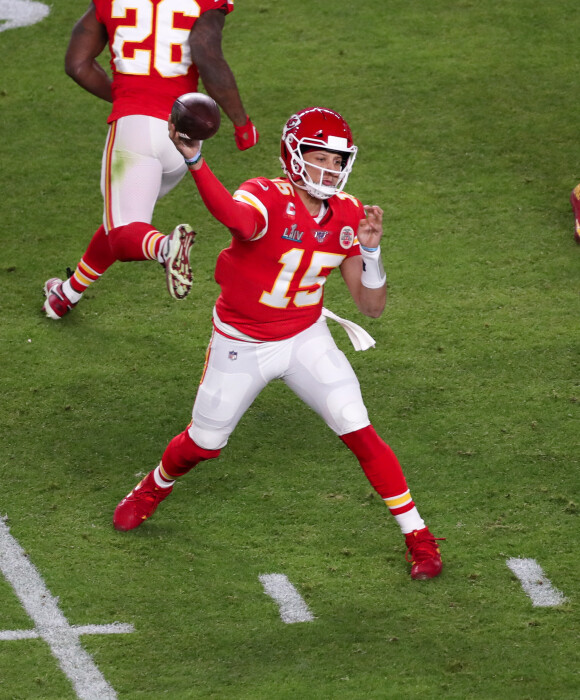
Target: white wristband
{"points": [[373, 274]]}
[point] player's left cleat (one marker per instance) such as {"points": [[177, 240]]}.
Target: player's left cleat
{"points": [[575, 202], [177, 263], [140, 504], [57, 303], [423, 553]]}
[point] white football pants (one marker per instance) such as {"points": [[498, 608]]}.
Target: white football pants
{"points": [[310, 363], [140, 165]]}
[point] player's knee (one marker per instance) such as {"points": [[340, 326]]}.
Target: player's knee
{"points": [[346, 411], [212, 439]]}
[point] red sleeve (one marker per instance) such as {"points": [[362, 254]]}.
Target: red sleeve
{"points": [[226, 6], [243, 220]]}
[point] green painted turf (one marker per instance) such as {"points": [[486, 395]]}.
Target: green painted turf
{"points": [[466, 118]]}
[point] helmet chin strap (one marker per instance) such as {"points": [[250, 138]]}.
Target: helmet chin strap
{"points": [[317, 189]]}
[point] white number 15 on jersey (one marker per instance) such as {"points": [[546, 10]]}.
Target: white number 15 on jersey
{"points": [[279, 298]]}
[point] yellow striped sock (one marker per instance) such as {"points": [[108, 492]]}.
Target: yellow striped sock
{"points": [[151, 244]]}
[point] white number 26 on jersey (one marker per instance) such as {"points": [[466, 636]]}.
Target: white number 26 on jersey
{"points": [[167, 36]]}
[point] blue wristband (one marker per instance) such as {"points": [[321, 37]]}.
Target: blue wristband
{"points": [[192, 161], [368, 250]]}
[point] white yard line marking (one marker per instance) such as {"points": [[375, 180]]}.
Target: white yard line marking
{"points": [[20, 13], [50, 623], [535, 583], [292, 606], [114, 628]]}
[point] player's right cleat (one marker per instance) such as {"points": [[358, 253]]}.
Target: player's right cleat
{"points": [[423, 553], [177, 264], [140, 504], [57, 303], [575, 202]]}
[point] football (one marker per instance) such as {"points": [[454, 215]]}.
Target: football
{"points": [[195, 116]]}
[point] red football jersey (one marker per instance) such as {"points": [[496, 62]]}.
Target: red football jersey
{"points": [[272, 286], [150, 56]]}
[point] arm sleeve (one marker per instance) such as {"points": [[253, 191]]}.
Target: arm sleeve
{"points": [[243, 220]]}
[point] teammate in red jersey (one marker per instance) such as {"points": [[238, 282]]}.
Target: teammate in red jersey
{"points": [[159, 50], [288, 234]]}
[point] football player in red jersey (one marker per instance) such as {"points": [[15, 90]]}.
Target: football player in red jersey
{"points": [[288, 234], [159, 50]]}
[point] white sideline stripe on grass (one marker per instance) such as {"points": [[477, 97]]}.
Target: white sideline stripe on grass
{"points": [[114, 628], [50, 623], [535, 583], [292, 606]]}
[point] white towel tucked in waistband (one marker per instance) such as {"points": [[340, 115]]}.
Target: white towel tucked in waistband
{"points": [[360, 339]]}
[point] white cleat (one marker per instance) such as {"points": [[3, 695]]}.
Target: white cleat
{"points": [[177, 264]]}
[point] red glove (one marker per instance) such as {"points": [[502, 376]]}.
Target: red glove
{"points": [[246, 136]]}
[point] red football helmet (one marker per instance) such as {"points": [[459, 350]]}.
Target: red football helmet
{"points": [[320, 129]]}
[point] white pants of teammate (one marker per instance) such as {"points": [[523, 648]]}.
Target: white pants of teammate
{"points": [[140, 165], [310, 363]]}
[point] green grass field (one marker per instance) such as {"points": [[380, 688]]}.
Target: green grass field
{"points": [[466, 118]]}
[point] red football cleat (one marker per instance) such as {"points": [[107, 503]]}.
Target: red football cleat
{"points": [[140, 504], [575, 202], [423, 553], [57, 303]]}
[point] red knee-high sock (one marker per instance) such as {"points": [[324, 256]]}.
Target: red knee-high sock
{"points": [[378, 461], [383, 470], [97, 258], [135, 241], [182, 454]]}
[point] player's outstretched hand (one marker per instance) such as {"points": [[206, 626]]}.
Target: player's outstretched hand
{"points": [[370, 230], [188, 149]]}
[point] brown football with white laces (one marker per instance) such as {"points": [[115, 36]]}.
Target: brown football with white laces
{"points": [[196, 116]]}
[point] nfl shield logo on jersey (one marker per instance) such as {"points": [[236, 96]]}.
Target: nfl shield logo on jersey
{"points": [[233, 355], [320, 235]]}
